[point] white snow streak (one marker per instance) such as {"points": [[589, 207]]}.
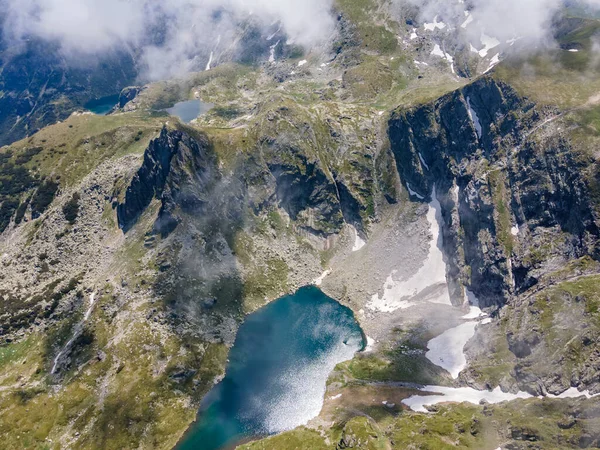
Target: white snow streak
{"points": [[411, 192], [470, 395], [462, 394], [358, 242], [495, 60], [209, 61], [474, 118], [467, 21], [423, 161]]}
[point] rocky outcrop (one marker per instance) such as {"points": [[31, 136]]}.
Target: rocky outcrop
{"points": [[304, 190], [545, 341], [126, 96], [502, 185], [169, 160]]}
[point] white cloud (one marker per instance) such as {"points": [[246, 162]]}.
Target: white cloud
{"points": [[504, 20], [188, 27]]}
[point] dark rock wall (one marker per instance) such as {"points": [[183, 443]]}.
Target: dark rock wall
{"points": [[172, 160], [494, 179]]}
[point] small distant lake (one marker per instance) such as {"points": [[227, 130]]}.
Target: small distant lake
{"points": [[189, 110], [103, 105], [277, 371]]}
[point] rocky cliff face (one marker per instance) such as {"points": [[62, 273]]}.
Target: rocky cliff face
{"points": [[169, 162], [222, 233], [514, 200]]}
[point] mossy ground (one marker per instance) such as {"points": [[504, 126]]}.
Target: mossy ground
{"points": [[456, 426]]}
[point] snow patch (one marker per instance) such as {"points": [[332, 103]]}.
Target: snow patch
{"points": [[473, 302], [444, 394], [495, 60], [301, 63], [413, 34], [573, 392], [486, 321], [370, 344], [411, 192], [430, 277], [317, 281], [437, 51], [335, 397], [462, 394], [514, 230], [446, 350], [488, 43], [474, 118], [435, 24], [358, 242], [574, 50]]}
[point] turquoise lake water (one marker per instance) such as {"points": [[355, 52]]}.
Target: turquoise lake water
{"points": [[277, 370], [189, 110], [102, 106]]}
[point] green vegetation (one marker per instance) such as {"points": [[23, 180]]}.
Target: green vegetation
{"points": [[72, 149], [549, 424], [372, 24], [559, 78], [71, 208], [396, 365], [298, 439], [15, 180], [43, 197], [266, 280]]}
